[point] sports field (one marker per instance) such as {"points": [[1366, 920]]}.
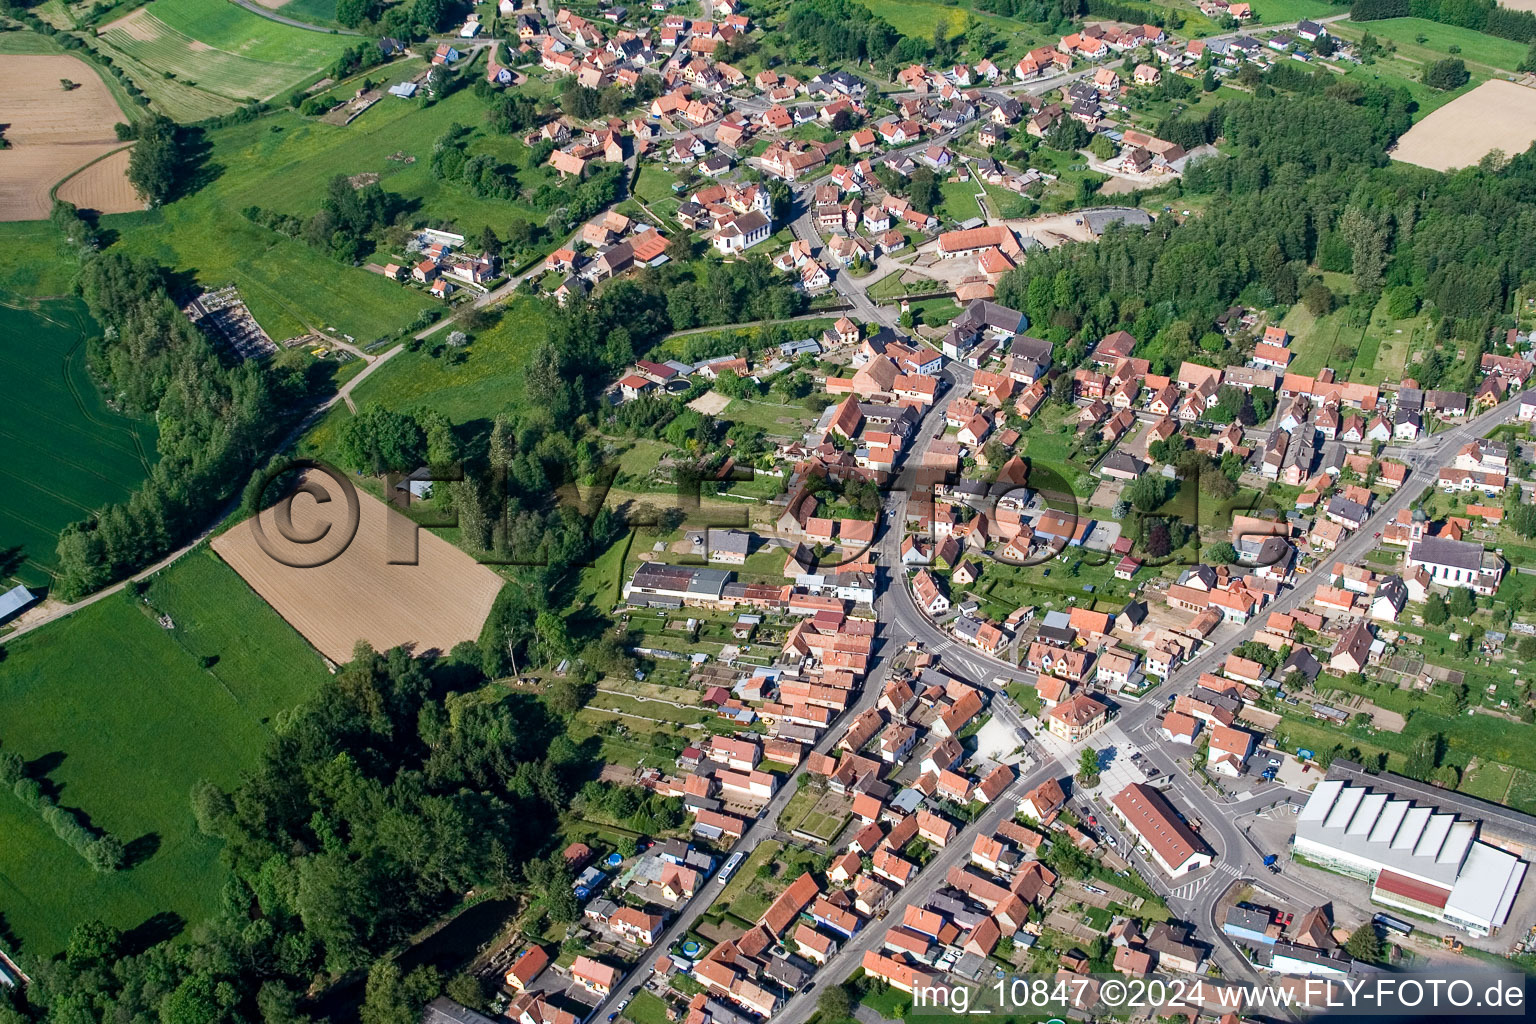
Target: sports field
{"points": [[119, 713], [67, 454], [222, 48]]}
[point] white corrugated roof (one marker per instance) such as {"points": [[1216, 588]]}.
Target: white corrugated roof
{"points": [[1389, 822]]}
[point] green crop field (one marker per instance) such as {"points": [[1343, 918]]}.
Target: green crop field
{"points": [[206, 68], [120, 715], [169, 96], [217, 52], [67, 454], [229, 27]]}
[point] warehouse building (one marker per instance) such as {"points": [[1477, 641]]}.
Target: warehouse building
{"points": [[1419, 856]]}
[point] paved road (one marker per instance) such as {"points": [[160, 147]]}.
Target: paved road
{"points": [[765, 826], [1237, 856]]}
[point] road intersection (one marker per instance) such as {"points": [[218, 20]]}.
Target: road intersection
{"points": [[1194, 898]]}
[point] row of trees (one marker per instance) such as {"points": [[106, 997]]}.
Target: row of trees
{"points": [[102, 851], [157, 163], [215, 421]]}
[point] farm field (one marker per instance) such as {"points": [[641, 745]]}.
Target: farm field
{"points": [[439, 601], [133, 688], [52, 130], [170, 96], [1496, 115], [222, 48], [103, 186], [67, 453]]}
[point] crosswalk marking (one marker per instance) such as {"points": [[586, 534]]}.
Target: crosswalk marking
{"points": [[1189, 890]]}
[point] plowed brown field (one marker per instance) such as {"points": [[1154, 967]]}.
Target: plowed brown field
{"points": [[52, 130], [432, 605], [103, 186]]}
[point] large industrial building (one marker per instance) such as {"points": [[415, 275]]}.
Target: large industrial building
{"points": [[1419, 847]]}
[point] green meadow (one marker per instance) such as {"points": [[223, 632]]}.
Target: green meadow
{"points": [[121, 718]]}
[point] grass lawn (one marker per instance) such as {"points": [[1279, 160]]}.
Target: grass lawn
{"points": [[1489, 780], [1475, 47], [772, 417], [960, 199], [27, 42], [84, 456], [747, 895], [122, 718], [602, 582], [488, 382], [654, 183], [645, 1008], [1277, 12], [1522, 791], [889, 1003]]}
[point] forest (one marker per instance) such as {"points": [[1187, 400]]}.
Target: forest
{"points": [[1306, 183]]}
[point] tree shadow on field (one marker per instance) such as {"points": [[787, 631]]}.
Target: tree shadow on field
{"points": [[11, 559], [157, 928], [139, 850], [197, 170], [40, 768]]}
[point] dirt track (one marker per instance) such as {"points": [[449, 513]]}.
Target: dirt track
{"points": [[52, 130], [440, 601]]}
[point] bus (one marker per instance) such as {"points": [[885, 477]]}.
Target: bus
{"points": [[1393, 924], [730, 868]]}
